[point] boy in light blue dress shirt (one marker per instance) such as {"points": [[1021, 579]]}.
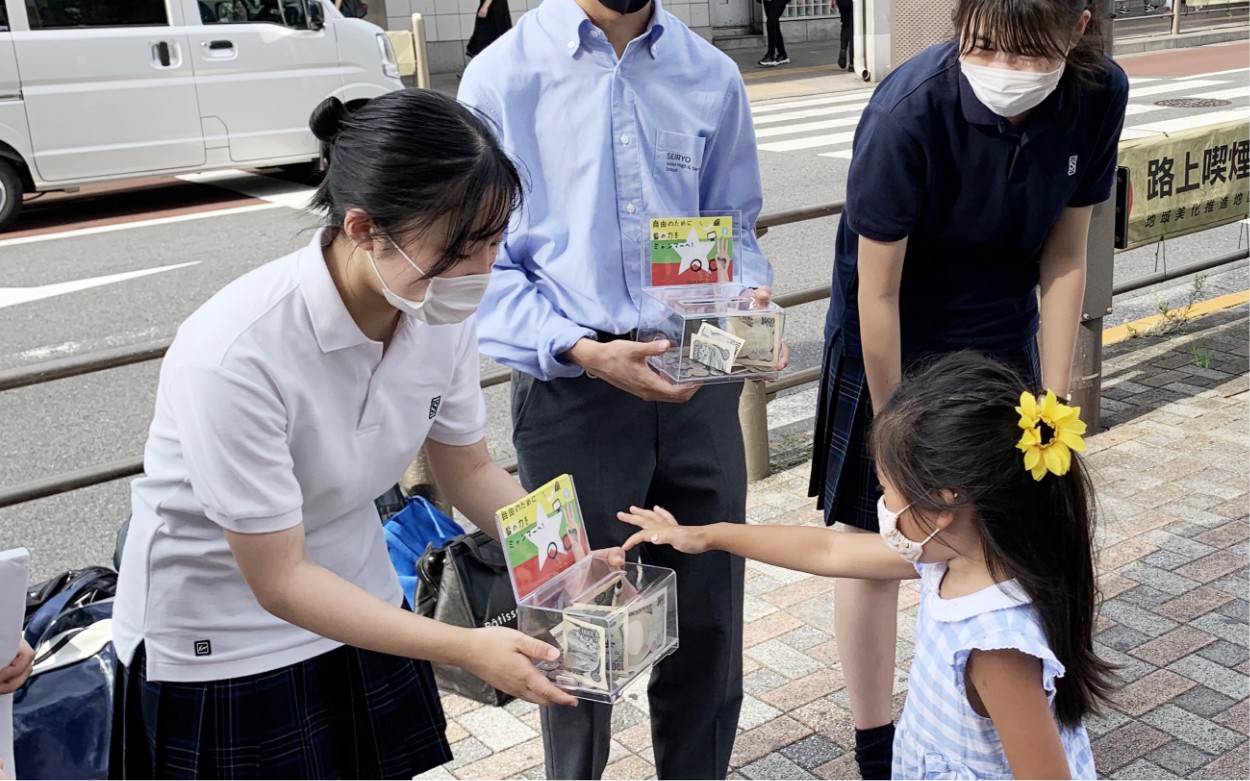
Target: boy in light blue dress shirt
{"points": [[615, 111]]}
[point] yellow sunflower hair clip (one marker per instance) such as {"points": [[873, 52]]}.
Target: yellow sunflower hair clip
{"points": [[1052, 430]]}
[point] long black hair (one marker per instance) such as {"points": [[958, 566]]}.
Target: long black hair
{"points": [[953, 425], [410, 159], [1036, 28]]}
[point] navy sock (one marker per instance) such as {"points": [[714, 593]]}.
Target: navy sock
{"points": [[874, 751]]}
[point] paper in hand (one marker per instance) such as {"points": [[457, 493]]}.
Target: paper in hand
{"points": [[14, 578]]}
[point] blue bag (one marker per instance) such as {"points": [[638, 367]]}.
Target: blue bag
{"points": [[409, 532], [62, 716]]}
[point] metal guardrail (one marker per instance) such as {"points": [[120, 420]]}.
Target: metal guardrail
{"points": [[1178, 272], [63, 368]]}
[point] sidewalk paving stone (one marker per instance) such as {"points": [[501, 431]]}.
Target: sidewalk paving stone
{"points": [[1171, 473]]}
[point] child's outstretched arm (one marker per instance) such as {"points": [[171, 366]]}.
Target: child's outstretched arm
{"points": [[1006, 686], [803, 548]]}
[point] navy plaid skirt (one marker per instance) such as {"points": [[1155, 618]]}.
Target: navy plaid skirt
{"points": [[347, 713], [844, 478]]}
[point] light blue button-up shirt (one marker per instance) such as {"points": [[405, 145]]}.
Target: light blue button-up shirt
{"points": [[592, 134]]}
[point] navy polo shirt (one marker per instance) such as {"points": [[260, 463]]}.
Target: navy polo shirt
{"points": [[974, 195]]}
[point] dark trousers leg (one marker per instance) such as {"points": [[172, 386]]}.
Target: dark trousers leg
{"points": [[622, 451], [485, 31], [772, 26], [845, 9], [696, 694]]}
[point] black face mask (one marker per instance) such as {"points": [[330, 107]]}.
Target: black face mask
{"points": [[625, 6]]}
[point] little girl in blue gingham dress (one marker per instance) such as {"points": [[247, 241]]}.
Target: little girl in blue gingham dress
{"points": [[994, 515]]}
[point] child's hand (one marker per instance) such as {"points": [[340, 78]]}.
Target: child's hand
{"points": [[661, 528], [15, 674]]}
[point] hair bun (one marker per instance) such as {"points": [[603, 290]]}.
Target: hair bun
{"points": [[327, 119]]}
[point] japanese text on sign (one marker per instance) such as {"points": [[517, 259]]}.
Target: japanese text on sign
{"points": [[1186, 182]]}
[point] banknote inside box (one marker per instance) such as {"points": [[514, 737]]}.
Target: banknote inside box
{"points": [[610, 623], [716, 333], [693, 297]]}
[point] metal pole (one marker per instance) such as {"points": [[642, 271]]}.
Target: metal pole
{"points": [[419, 480], [422, 58], [1176, 16], [70, 481], [753, 415], [1180, 271], [1086, 384], [859, 58]]}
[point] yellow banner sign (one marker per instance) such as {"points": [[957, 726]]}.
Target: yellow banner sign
{"points": [[1187, 182]]}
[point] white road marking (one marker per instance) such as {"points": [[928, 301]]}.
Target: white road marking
{"points": [[811, 112], [1171, 86], [804, 127], [12, 296], [1188, 123], [858, 95], [807, 143]]}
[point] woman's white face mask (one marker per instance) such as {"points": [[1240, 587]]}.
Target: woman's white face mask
{"points": [[447, 300], [1009, 92]]}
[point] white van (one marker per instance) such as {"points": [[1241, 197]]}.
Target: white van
{"points": [[95, 90]]}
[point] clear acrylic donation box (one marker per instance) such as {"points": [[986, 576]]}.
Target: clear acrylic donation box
{"points": [[693, 296], [611, 624]]}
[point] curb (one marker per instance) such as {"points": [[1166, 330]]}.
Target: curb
{"points": [[1164, 42], [1126, 331]]}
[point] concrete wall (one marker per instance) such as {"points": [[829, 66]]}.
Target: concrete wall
{"points": [[807, 20]]}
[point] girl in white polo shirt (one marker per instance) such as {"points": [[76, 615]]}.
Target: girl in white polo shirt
{"points": [[258, 621]]}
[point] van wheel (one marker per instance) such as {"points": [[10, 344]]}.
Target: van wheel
{"points": [[10, 194]]}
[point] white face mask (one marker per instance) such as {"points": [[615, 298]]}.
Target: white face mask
{"points": [[1007, 92], [895, 539], [447, 300]]}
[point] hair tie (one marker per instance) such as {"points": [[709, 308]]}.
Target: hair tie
{"points": [[1052, 430]]}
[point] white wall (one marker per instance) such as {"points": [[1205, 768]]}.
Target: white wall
{"points": [[449, 23]]}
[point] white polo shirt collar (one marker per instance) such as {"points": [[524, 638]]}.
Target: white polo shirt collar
{"points": [[332, 323]]}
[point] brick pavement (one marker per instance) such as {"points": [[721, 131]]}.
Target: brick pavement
{"points": [[1172, 478]]}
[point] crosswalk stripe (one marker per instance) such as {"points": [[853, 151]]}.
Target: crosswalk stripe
{"points": [[808, 113], [1188, 123], [808, 143], [1172, 86], [784, 119], [1219, 94], [1209, 75], [857, 95], [1225, 94], [785, 130]]}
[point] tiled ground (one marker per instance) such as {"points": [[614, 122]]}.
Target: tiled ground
{"points": [[1172, 478]]}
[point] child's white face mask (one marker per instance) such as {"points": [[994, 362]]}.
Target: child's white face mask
{"points": [[894, 539]]}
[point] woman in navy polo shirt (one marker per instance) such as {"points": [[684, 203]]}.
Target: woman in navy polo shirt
{"points": [[976, 166]]}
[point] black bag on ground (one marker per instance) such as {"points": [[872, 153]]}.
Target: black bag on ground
{"points": [[465, 583]]}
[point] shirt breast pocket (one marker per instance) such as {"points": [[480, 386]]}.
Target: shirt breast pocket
{"points": [[678, 163]]}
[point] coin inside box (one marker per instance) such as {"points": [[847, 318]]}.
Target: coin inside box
{"points": [[678, 314], [611, 624]]}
